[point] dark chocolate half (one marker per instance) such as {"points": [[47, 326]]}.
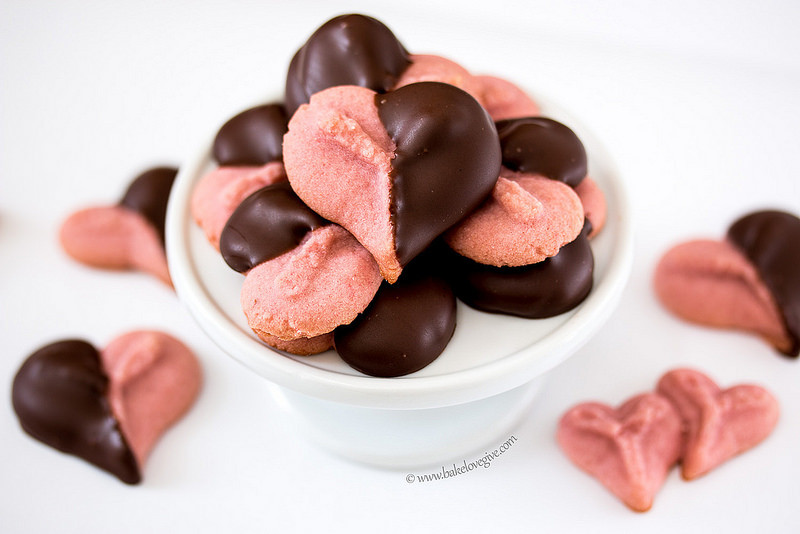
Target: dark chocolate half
{"points": [[253, 137], [346, 50], [535, 291], [406, 326], [271, 221], [59, 396], [148, 195], [538, 145], [447, 160], [771, 241]]}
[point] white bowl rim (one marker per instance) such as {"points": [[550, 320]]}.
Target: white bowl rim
{"points": [[409, 392]]}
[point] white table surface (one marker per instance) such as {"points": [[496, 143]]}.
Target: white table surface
{"points": [[697, 100]]}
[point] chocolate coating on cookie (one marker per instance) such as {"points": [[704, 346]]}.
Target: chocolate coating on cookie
{"points": [[59, 396], [346, 50], [538, 145], [271, 221], [148, 195], [253, 137], [447, 160], [535, 291], [406, 326], [771, 241]]}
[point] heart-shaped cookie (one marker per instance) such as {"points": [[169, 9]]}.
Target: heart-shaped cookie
{"points": [[629, 449], [394, 169], [106, 407], [712, 283], [719, 424], [128, 235], [749, 281]]}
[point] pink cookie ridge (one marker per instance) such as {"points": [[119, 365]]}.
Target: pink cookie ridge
{"points": [[304, 346]]}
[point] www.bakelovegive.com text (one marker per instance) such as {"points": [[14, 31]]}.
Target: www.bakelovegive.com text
{"points": [[484, 461]]}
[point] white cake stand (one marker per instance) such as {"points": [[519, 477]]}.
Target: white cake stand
{"points": [[468, 399]]}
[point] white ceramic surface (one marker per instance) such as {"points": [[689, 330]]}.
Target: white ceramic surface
{"points": [[488, 355]]}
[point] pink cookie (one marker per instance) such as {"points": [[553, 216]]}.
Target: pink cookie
{"points": [[594, 204], [342, 123], [501, 98], [128, 235], [113, 237], [430, 68], [219, 192], [310, 290], [629, 449], [504, 100], [396, 170], [154, 379], [719, 424], [527, 219], [713, 284]]}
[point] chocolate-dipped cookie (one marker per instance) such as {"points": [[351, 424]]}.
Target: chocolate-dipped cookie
{"points": [[127, 235], [107, 407], [396, 170], [749, 281]]}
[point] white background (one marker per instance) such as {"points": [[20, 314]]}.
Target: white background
{"points": [[696, 100]]}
